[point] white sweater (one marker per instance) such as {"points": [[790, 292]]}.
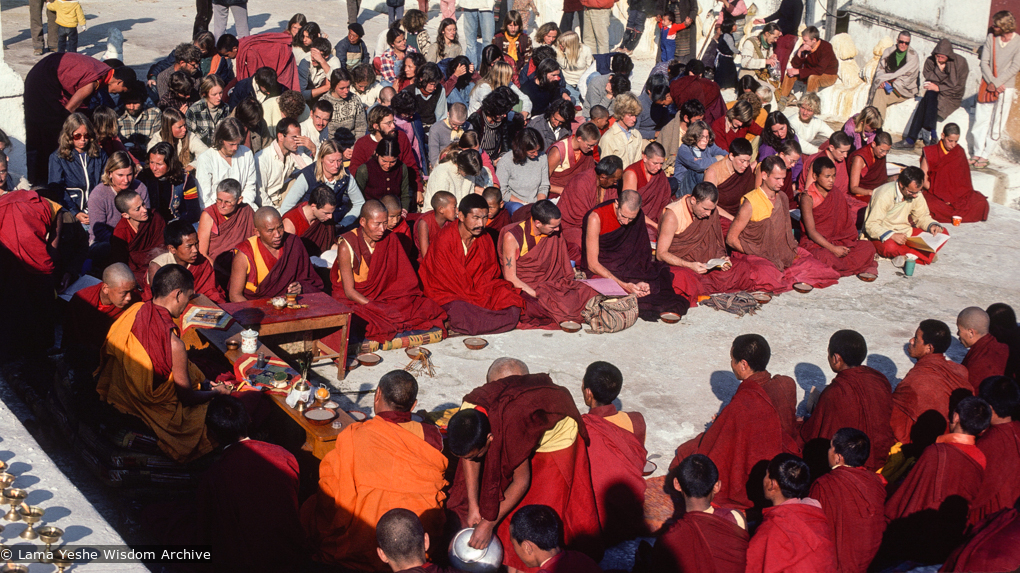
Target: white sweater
{"points": [[806, 132], [211, 168]]}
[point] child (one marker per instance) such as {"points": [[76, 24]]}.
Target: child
{"points": [[602, 120], [498, 216], [69, 17], [442, 210], [667, 36], [536, 531]]}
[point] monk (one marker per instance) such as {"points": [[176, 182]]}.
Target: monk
{"points": [[271, 263], [374, 278], [690, 237], [617, 453], [829, 228], [837, 149], [144, 369], [426, 230], [461, 273], [692, 85], [994, 545], [853, 499], [402, 542], [1001, 445], [930, 383], [616, 247], [519, 430], [762, 229], [498, 216], [646, 177], [868, 169], [536, 531], [928, 511], [733, 176], [985, 355], [704, 534], [312, 221], [181, 243], [534, 259], [224, 225], [396, 223], [583, 193], [770, 401], [790, 152], [858, 397], [138, 236], [947, 184], [572, 156], [895, 214], [1002, 325], [794, 534], [386, 462], [92, 311]]}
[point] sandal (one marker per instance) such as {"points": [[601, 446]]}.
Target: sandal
{"points": [[980, 164]]}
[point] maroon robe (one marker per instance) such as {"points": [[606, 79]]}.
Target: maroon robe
{"points": [[428, 220], [793, 537], [842, 175], [138, 248], [950, 191], [655, 195], [618, 460], [292, 265], [837, 223], [26, 220], [700, 542], [494, 227], [87, 321], [575, 166], [1000, 488], [733, 190], [994, 546], [873, 175], [545, 266], [579, 196], [861, 398], [987, 357], [405, 234], [853, 500], [927, 386], [568, 561], [316, 236], [705, 91], [205, 280], [226, 234]]}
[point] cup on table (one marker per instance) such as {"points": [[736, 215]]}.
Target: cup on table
{"points": [[249, 341], [291, 299], [909, 264], [957, 220]]}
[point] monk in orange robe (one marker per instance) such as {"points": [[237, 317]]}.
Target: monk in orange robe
{"points": [[853, 499], [91, 312], [312, 221], [387, 462], [426, 229], [1001, 443], [224, 225], [138, 236], [930, 383], [646, 177], [144, 369], [734, 177], [617, 454], [770, 401], [947, 186], [271, 263], [182, 249], [515, 432], [986, 356], [858, 397]]}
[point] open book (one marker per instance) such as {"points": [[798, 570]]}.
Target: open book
{"points": [[715, 263], [927, 242]]}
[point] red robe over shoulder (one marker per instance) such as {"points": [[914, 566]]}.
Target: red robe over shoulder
{"points": [[927, 386], [987, 357], [617, 457], [579, 196], [842, 171], [575, 165], [316, 236], [853, 500], [860, 398], [705, 91], [700, 542], [228, 232], [793, 537], [292, 265], [655, 194], [994, 546], [837, 223], [87, 321], [26, 220], [138, 248], [449, 274], [205, 280], [950, 190], [873, 175], [568, 561], [1000, 488]]}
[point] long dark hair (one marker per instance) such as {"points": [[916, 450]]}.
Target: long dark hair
{"points": [[528, 139], [769, 138], [464, 80], [175, 170]]}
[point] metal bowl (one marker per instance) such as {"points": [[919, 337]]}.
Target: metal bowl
{"points": [[466, 558]]}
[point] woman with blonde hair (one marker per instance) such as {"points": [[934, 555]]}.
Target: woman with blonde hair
{"points": [[446, 46], [500, 74], [205, 114], [173, 129], [328, 170], [118, 176], [574, 58], [77, 164], [863, 127], [623, 139]]}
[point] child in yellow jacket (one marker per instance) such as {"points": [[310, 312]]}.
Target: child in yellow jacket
{"points": [[69, 17]]}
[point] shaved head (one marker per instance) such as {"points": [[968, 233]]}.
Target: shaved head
{"points": [[391, 204], [973, 318], [266, 215], [401, 537], [119, 274], [371, 208], [442, 199], [504, 367], [630, 199]]}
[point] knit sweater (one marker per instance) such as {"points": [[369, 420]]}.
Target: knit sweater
{"points": [[523, 183], [1007, 60], [349, 113], [821, 62]]}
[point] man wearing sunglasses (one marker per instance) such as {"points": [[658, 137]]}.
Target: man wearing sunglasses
{"points": [[896, 77]]}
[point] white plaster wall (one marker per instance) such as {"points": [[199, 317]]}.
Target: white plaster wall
{"points": [[967, 18], [12, 115]]}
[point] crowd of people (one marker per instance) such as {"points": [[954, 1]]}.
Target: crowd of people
{"points": [[449, 185]]}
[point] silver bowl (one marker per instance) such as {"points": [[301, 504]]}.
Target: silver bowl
{"points": [[467, 558]]}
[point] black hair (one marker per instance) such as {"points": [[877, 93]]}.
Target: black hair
{"points": [[393, 33], [608, 165], [226, 420], [547, 67], [849, 345], [697, 475], [883, 138], [740, 146], [338, 75], [747, 84], [564, 108], [464, 80], [754, 349], [427, 74], [538, 524], [705, 190], [1002, 393], [471, 202], [528, 139], [620, 84], [500, 102], [657, 87], [975, 415], [696, 68], [621, 63], [226, 43], [839, 139], [399, 389], [1001, 321], [910, 174], [769, 138], [936, 333], [821, 163], [265, 78], [792, 474], [692, 108], [771, 162], [321, 196], [401, 535], [170, 278], [404, 104], [853, 444], [135, 93], [175, 231], [285, 124], [544, 211], [470, 162], [388, 147], [468, 429]]}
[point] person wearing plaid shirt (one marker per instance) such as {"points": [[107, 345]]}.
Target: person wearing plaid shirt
{"points": [[394, 55], [205, 114], [137, 123]]}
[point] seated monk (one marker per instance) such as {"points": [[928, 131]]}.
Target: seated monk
{"points": [[402, 543], [617, 454], [312, 221], [704, 533], [616, 247], [790, 152], [181, 241], [386, 462], [895, 214], [829, 228], [646, 177], [138, 236], [374, 278], [1001, 443], [858, 397], [1003, 326], [572, 156], [868, 169], [587, 190], [927, 513], [271, 263], [461, 273], [947, 185], [837, 149], [224, 225], [771, 401], [930, 383], [144, 369], [994, 545], [794, 534], [733, 176], [396, 223], [762, 229], [426, 230], [519, 430], [91, 312], [534, 259], [853, 499], [690, 236], [985, 356], [536, 531], [499, 217]]}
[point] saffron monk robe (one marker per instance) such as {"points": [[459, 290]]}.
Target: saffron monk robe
{"points": [[403, 542], [181, 242], [617, 454], [534, 259], [138, 236], [928, 511], [587, 190], [572, 156], [1001, 444], [396, 223], [224, 225], [374, 278], [461, 273], [771, 401], [994, 545], [897, 212], [986, 356], [762, 229], [91, 312], [312, 221], [868, 169], [536, 531], [853, 499], [515, 432], [426, 229], [948, 189], [646, 177], [829, 229], [272, 263], [858, 397], [705, 537], [616, 247], [690, 236], [386, 462], [733, 177]]}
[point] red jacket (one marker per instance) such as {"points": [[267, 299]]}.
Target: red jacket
{"points": [[598, 4], [820, 62]]}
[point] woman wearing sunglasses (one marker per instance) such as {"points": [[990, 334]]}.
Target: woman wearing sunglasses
{"points": [[76, 166]]}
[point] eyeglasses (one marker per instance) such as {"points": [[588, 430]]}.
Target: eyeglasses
{"points": [[902, 43], [81, 136]]}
